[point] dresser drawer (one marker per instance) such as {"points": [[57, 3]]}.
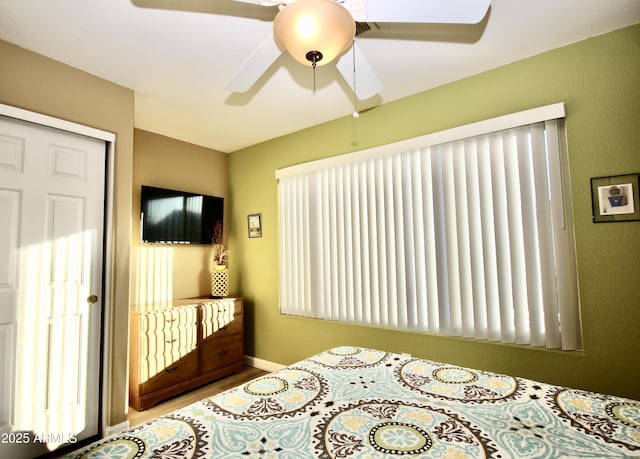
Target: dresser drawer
{"points": [[168, 318], [174, 349], [181, 340], [218, 353], [164, 371], [221, 318]]}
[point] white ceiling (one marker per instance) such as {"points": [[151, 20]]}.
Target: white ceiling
{"points": [[177, 62]]}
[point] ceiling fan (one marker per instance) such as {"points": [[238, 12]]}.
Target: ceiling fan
{"points": [[316, 32]]}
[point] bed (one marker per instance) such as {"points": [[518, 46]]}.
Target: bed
{"points": [[351, 402]]}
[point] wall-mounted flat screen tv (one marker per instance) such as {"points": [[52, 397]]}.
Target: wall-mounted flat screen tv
{"points": [[178, 217]]}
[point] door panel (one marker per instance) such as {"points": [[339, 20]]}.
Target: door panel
{"points": [[11, 152], [7, 340], [52, 184], [9, 209], [67, 311]]}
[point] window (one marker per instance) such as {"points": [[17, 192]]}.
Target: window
{"points": [[470, 236]]}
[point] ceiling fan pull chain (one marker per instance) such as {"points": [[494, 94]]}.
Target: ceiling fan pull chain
{"points": [[314, 56], [355, 96]]}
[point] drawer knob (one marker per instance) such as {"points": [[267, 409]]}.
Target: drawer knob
{"points": [[172, 369]]}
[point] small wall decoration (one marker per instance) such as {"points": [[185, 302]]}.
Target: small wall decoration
{"points": [[615, 198], [255, 225]]}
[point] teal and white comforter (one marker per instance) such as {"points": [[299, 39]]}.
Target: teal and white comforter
{"points": [[352, 402]]}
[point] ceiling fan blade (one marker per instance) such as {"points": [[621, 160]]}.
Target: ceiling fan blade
{"points": [[255, 65], [261, 2], [237, 8], [427, 11], [363, 80]]}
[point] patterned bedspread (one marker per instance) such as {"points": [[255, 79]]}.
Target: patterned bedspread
{"points": [[351, 402]]}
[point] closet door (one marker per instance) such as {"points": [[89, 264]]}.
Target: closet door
{"points": [[51, 251]]}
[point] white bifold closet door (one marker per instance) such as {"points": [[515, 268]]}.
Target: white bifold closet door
{"points": [[51, 253]]}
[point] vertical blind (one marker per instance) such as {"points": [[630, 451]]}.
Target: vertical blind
{"points": [[467, 238]]}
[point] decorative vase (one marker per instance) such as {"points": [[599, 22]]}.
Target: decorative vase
{"points": [[220, 281]]}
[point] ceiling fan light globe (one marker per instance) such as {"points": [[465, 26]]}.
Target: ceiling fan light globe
{"points": [[306, 27], [314, 25]]}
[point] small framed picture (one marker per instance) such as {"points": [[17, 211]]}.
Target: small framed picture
{"points": [[255, 225], [615, 198]]}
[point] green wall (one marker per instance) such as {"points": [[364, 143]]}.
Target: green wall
{"points": [[599, 81]]}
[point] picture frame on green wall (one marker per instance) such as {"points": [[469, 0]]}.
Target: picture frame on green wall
{"points": [[254, 222], [615, 198]]}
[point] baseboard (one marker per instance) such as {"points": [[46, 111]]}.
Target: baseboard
{"points": [[262, 364], [110, 430]]}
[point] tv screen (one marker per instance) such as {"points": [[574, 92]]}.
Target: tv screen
{"points": [[178, 217]]}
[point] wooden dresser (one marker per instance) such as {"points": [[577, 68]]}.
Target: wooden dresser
{"points": [[177, 348]]}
